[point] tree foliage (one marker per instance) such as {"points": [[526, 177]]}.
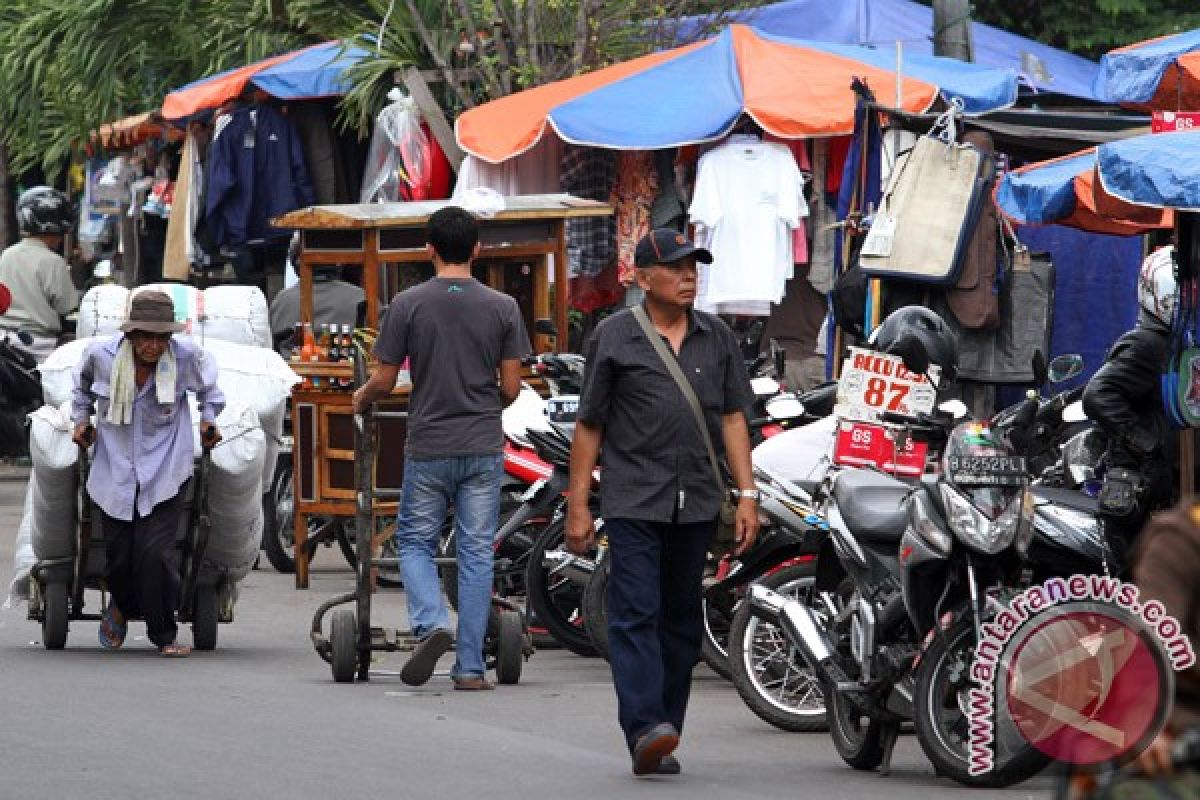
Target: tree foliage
{"points": [[1089, 27]]}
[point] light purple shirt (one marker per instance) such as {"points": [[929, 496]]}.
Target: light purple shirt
{"points": [[148, 460]]}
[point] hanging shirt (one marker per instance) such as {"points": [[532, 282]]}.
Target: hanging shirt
{"points": [[749, 197]]}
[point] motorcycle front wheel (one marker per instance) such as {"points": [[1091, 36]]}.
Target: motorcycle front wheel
{"points": [[556, 598], [940, 702]]}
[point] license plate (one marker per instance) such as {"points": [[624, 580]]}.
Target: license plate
{"points": [[987, 470], [562, 409], [874, 383], [532, 491]]}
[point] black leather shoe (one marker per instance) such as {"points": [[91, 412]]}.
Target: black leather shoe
{"points": [[653, 746], [668, 766]]}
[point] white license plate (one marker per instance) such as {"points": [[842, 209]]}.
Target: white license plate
{"points": [[562, 409]]}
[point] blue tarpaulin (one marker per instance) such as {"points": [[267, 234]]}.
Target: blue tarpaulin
{"points": [[1043, 195], [1159, 170], [882, 22], [1133, 74]]}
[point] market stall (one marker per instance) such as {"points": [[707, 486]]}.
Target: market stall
{"points": [[521, 247]]}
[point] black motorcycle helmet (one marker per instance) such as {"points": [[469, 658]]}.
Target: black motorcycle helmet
{"points": [[918, 322], [44, 211]]}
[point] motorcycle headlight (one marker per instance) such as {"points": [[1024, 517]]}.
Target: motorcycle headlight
{"points": [[924, 522], [973, 526]]}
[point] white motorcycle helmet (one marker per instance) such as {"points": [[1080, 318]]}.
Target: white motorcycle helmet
{"points": [[1157, 290]]}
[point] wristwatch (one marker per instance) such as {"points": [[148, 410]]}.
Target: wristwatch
{"points": [[741, 494]]}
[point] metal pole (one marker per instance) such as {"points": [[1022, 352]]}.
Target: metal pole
{"points": [[952, 29]]}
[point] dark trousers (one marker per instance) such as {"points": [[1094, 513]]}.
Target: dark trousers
{"points": [[142, 566], [655, 618]]}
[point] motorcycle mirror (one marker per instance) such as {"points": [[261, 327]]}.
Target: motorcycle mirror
{"points": [[785, 406], [1039, 368], [1063, 368], [545, 327], [778, 359], [764, 386], [955, 408], [1074, 412]]}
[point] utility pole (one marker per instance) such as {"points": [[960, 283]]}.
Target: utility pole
{"points": [[952, 29]]}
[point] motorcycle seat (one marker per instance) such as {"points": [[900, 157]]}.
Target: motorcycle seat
{"points": [[872, 505]]}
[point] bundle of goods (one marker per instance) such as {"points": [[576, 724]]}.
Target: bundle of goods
{"points": [[236, 314], [48, 528], [253, 377]]}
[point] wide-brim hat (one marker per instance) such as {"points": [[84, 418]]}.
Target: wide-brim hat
{"points": [[153, 312]]}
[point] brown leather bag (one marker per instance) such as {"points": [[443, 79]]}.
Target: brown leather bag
{"points": [[975, 299]]}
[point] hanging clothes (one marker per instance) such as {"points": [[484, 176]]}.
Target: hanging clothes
{"points": [[749, 198], [321, 152], [256, 172], [821, 223], [536, 171], [637, 186], [590, 173]]}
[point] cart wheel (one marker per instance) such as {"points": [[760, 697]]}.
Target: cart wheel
{"points": [[204, 618], [510, 649], [54, 616], [343, 641]]}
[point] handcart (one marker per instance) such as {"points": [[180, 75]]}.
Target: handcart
{"points": [[352, 637], [57, 585]]}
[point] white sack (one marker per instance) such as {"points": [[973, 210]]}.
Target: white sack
{"points": [[235, 314], [23, 555], [235, 492], [54, 482], [102, 310]]}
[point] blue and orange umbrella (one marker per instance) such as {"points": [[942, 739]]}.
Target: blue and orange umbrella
{"points": [[1070, 191], [314, 72], [696, 93], [1160, 74]]}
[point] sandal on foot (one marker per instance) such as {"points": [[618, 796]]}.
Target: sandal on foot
{"points": [[112, 633], [421, 664], [174, 650]]}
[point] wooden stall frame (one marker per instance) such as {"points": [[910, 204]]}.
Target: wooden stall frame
{"points": [[371, 220]]}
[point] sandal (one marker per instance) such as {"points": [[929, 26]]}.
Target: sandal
{"points": [[112, 633], [174, 650]]}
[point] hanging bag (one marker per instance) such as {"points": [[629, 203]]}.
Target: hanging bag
{"points": [[726, 532], [928, 214]]}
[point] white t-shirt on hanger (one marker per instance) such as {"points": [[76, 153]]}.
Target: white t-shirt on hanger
{"points": [[749, 196]]}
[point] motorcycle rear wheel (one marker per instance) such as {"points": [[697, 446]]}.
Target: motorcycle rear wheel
{"points": [[555, 599], [769, 674]]}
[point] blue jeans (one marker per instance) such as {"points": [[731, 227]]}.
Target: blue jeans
{"points": [[655, 618], [472, 485]]}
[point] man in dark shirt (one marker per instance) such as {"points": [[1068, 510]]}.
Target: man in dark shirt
{"points": [[658, 494], [457, 333]]}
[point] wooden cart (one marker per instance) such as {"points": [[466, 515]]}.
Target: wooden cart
{"points": [[520, 246]]}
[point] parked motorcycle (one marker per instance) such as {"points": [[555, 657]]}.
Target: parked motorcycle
{"points": [[20, 393]]}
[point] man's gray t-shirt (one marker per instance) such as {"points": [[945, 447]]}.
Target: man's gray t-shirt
{"points": [[455, 331]]}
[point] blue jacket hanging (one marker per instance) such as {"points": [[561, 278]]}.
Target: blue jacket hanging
{"points": [[256, 172]]}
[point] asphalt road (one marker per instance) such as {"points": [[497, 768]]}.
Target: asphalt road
{"points": [[261, 717]]}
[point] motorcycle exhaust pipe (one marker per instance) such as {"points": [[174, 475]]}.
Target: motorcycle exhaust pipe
{"points": [[802, 629]]}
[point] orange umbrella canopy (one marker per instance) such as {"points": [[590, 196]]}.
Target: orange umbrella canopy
{"points": [[133, 131], [696, 93]]}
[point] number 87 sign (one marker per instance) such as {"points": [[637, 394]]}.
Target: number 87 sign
{"points": [[873, 383]]}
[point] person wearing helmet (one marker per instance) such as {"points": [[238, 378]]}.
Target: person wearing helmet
{"points": [[920, 324], [37, 276], [1124, 399]]}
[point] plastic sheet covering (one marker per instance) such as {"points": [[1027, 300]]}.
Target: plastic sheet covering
{"points": [[235, 492], [54, 482], [23, 555], [400, 161]]}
